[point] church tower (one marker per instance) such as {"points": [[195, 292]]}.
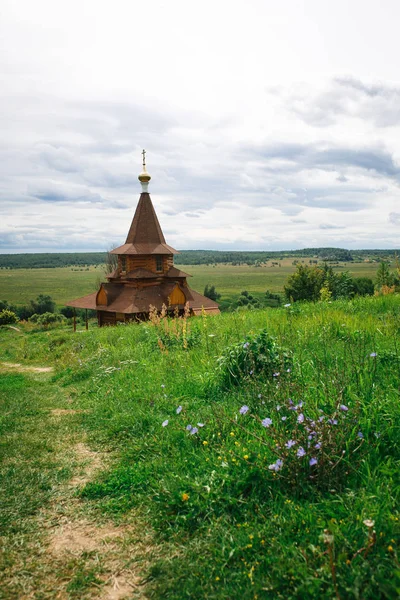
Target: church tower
{"points": [[145, 276]]}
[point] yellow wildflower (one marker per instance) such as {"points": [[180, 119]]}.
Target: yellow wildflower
{"points": [[185, 497]]}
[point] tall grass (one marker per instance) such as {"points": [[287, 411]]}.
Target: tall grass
{"points": [[195, 454]]}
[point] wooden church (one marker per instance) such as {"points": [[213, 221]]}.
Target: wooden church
{"points": [[145, 276]]}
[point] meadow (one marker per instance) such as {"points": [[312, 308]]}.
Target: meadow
{"points": [[18, 286], [253, 454]]}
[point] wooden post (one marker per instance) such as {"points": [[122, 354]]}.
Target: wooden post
{"points": [[74, 320], [86, 320]]}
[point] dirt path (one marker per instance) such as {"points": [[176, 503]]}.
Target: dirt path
{"points": [[6, 366], [67, 549], [119, 552]]}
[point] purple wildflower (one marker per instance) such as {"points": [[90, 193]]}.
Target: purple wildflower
{"points": [[360, 434], [266, 422], [246, 345], [162, 385], [301, 452], [276, 374], [278, 407], [165, 423], [343, 407], [276, 466], [317, 446], [313, 461], [178, 410], [373, 354], [193, 430], [244, 410], [300, 418], [284, 418], [200, 424], [290, 443], [332, 421], [251, 372], [188, 427], [321, 419]]}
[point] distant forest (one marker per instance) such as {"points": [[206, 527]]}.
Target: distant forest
{"points": [[194, 257]]}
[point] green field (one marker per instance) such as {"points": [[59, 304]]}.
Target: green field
{"points": [[19, 286], [206, 459]]}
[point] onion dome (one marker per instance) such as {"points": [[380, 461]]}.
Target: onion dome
{"points": [[144, 176]]}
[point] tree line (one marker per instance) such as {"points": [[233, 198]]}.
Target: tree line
{"points": [[194, 257]]}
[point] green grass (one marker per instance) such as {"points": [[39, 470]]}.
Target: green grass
{"points": [[231, 526], [19, 286]]}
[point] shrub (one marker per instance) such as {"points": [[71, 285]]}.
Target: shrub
{"points": [[24, 312], [46, 319], [305, 283], [256, 356], [7, 317], [246, 299], [363, 286], [276, 299], [43, 304], [211, 292], [67, 311]]}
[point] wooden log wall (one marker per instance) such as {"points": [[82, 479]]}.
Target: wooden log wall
{"points": [[146, 261]]}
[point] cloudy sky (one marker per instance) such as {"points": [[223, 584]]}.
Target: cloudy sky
{"points": [[268, 124]]}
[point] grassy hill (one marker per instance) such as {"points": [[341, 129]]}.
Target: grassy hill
{"points": [[205, 458]]}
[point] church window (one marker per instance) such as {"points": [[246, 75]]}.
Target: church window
{"points": [[159, 263]]}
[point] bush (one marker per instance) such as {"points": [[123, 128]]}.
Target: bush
{"points": [[246, 299], [24, 312], [363, 286], [305, 284], [7, 317], [67, 311], [43, 304], [211, 292], [46, 319], [5, 305], [256, 356]]}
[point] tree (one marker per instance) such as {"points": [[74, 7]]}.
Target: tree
{"points": [[384, 276], [305, 283], [272, 299], [246, 299], [363, 286], [211, 292], [43, 304], [111, 261]]}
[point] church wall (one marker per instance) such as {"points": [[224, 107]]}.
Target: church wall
{"points": [[147, 261]]}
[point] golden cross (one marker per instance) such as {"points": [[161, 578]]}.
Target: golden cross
{"points": [[144, 158]]}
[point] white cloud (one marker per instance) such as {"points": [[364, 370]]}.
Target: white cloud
{"points": [[262, 130]]}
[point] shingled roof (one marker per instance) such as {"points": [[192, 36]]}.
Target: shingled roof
{"points": [[132, 300], [145, 235]]}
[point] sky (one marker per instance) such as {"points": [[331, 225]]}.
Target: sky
{"points": [[268, 125]]}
